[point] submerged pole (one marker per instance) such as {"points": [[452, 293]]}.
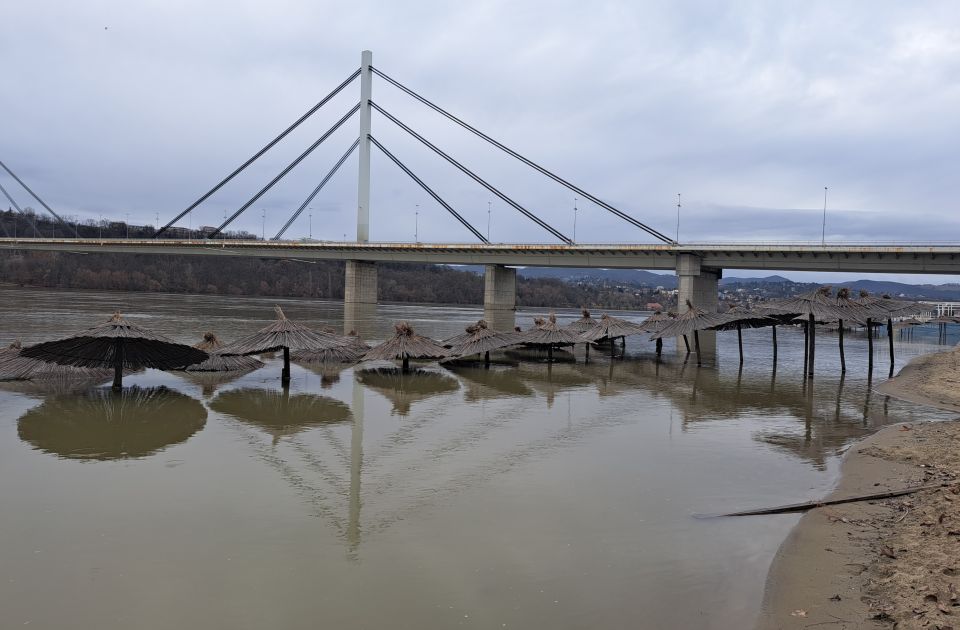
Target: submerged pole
{"points": [[740, 342], [806, 348], [686, 342], [586, 349], [696, 344], [774, 344], [813, 344], [869, 345], [486, 359], [118, 363], [659, 346], [843, 359], [405, 366], [890, 339], [285, 375]]}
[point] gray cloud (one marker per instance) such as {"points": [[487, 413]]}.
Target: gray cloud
{"points": [[749, 109]]}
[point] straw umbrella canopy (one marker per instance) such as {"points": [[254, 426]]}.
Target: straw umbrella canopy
{"points": [[739, 318], [885, 308], [654, 323], [104, 424], [582, 325], [481, 340], [812, 307], [546, 332], [283, 334], [14, 367], [405, 345], [117, 344], [612, 327], [403, 388], [279, 413], [693, 320], [351, 351], [218, 362]]}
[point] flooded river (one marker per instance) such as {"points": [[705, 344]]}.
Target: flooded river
{"points": [[527, 496]]}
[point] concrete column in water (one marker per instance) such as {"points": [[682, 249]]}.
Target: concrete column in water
{"points": [[363, 186], [699, 285], [500, 296], [360, 282]]}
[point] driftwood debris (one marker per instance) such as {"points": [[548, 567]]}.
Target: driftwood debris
{"points": [[809, 505]]}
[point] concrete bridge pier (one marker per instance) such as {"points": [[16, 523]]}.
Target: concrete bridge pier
{"points": [[500, 297], [698, 284], [359, 296]]}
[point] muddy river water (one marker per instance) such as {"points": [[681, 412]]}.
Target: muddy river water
{"points": [[523, 496]]}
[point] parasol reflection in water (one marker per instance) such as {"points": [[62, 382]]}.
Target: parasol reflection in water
{"points": [[278, 412], [403, 388], [106, 424]]}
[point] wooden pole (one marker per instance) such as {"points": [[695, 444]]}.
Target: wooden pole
{"points": [[405, 366], [550, 353], [285, 375], [813, 344], [740, 342], [696, 344], [686, 342], [843, 359], [869, 345], [118, 363], [774, 344], [659, 346], [890, 339], [806, 348], [586, 348], [486, 359]]}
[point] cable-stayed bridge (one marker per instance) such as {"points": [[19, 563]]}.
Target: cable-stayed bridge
{"points": [[699, 266]]}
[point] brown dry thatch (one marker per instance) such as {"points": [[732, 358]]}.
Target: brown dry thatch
{"points": [[582, 325], [885, 307], [339, 354], [612, 327], [817, 304], [481, 339], [405, 345], [657, 321], [217, 362], [690, 321], [116, 344], [549, 333], [14, 367], [739, 317], [282, 334]]}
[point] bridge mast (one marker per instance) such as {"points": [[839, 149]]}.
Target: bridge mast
{"points": [[363, 192]]}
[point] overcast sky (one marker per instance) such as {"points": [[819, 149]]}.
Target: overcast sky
{"points": [[749, 109]]}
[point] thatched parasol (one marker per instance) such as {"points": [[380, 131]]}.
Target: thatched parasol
{"points": [[283, 334], [810, 308], [351, 351], [885, 308], [654, 323], [481, 340], [104, 424], [693, 320], [583, 324], [611, 328], [406, 345], [279, 413], [546, 332], [14, 367], [403, 388], [739, 318], [218, 362], [117, 344]]}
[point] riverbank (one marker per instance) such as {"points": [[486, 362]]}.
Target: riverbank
{"points": [[889, 563]]}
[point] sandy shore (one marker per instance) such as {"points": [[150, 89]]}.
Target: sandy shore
{"points": [[889, 563]]}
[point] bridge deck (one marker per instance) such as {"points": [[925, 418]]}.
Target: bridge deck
{"points": [[863, 258]]}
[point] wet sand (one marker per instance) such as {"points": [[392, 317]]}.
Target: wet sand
{"points": [[888, 563]]}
